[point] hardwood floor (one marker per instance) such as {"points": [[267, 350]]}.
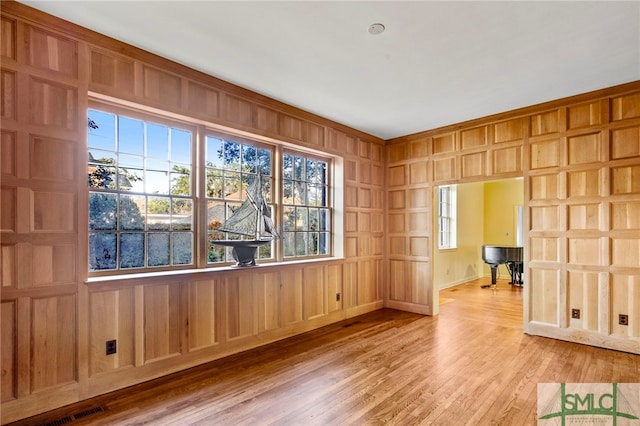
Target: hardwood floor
{"points": [[470, 365]]}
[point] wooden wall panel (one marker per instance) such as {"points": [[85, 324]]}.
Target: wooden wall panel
{"points": [[545, 154], [473, 138], [625, 179], [291, 287], [267, 287], [584, 295], [9, 199], [53, 104], [624, 215], [162, 319], [545, 218], [545, 291], [585, 216], [202, 314], [585, 183], [545, 123], [54, 264], [473, 165], [335, 292], [238, 307], [367, 282], [625, 300], [161, 86], [625, 143], [205, 102], [625, 252], [53, 357], [112, 71], [587, 251], [111, 317], [585, 115], [507, 160], [444, 143], [544, 249], [545, 187], [507, 131], [398, 280], [625, 106], [51, 211], [8, 350], [9, 94], [8, 153], [585, 149], [51, 51], [8, 264], [315, 292], [8, 38], [444, 169], [52, 160]]}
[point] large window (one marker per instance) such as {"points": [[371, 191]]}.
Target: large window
{"points": [[305, 201], [447, 196], [157, 199], [140, 193]]}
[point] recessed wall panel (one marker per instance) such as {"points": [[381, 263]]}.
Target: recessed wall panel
{"points": [[52, 52], [545, 295], [8, 94], [545, 154], [53, 104], [545, 187], [507, 160], [161, 86], [584, 183], [205, 101], [53, 356], [52, 160], [585, 115], [112, 71], [111, 317], [545, 123], [585, 149], [625, 107], [625, 143]]}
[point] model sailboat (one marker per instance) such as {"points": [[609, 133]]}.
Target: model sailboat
{"points": [[252, 219]]}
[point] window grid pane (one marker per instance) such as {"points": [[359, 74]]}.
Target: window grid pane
{"points": [[139, 179], [306, 211], [230, 168]]}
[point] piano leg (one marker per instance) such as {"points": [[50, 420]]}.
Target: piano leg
{"points": [[494, 272]]}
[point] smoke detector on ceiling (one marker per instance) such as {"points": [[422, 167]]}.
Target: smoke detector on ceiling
{"points": [[376, 29]]}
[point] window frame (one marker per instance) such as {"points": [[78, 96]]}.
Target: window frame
{"points": [[146, 117], [328, 183], [447, 217], [200, 242]]}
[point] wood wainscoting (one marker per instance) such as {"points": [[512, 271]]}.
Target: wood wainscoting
{"points": [[470, 365]]}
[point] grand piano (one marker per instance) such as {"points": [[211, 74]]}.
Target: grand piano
{"points": [[510, 256]]}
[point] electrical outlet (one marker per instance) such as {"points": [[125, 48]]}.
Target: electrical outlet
{"points": [[111, 347], [337, 297], [575, 313], [623, 319]]}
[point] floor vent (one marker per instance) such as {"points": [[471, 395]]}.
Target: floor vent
{"points": [[350, 324], [88, 412], [61, 421]]}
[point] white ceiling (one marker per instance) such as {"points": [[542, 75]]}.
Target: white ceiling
{"points": [[437, 63]]}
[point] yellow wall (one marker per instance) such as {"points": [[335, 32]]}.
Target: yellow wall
{"points": [[500, 201]]}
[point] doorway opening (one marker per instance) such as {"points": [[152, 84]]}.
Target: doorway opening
{"points": [[487, 213]]}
